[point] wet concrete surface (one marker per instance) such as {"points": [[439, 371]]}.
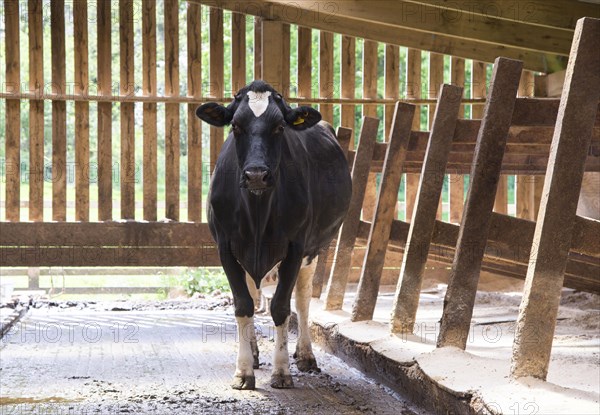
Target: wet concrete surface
{"points": [[76, 360]]}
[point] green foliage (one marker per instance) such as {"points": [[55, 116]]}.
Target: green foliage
{"points": [[205, 281]]}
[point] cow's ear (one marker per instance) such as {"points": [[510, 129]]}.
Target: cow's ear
{"points": [[214, 114], [302, 118]]}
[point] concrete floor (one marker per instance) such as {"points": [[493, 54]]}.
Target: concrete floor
{"points": [[57, 361]]}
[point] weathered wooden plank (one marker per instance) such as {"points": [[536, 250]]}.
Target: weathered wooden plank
{"points": [[127, 87], [172, 127], [436, 79], [238, 51], [414, 89], [525, 185], [456, 181], [216, 76], [336, 287], [59, 112], [104, 30], [326, 87], [370, 68], [257, 48], [487, 163], [13, 112], [348, 79], [200, 256], [304, 62], [104, 234], [272, 49], [325, 261], [82, 114], [194, 51], [554, 231], [36, 111], [394, 34], [387, 199], [285, 57], [392, 83], [406, 301], [149, 110]]}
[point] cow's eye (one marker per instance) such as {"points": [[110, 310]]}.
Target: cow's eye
{"points": [[279, 129], [236, 129]]}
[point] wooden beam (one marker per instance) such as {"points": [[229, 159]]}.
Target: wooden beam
{"points": [[149, 109], [172, 127], [336, 288], [412, 33], [104, 30], [554, 229], [127, 87], [387, 198], [487, 163], [304, 62], [216, 76], [326, 87], [457, 181], [272, 48], [369, 84], [194, 52], [348, 74], [429, 193]]}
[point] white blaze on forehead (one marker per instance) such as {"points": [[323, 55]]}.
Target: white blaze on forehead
{"points": [[258, 102]]}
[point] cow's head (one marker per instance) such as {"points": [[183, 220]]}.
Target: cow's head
{"points": [[259, 117]]}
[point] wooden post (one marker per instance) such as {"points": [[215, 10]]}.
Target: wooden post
{"points": [[304, 62], [457, 181], [421, 228], [525, 184], [59, 113], [348, 69], [370, 67], [257, 48], [36, 107], [194, 51], [238, 51], [149, 108], [392, 91], [171, 24], [485, 173], [285, 60], [127, 87], [387, 199], [554, 227], [272, 48], [436, 79], [336, 288], [104, 111], [216, 77], [413, 91], [326, 74], [82, 113], [323, 269]]}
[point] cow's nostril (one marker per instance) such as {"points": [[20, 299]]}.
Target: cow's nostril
{"points": [[256, 177]]}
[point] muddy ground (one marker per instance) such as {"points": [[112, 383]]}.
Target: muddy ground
{"points": [[169, 357]]}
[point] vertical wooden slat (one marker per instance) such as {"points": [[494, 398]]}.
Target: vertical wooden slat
{"points": [[127, 87], [485, 172], [436, 79], [456, 181], [272, 48], [13, 111], [392, 83], [257, 48], [368, 286], [413, 91], [216, 76], [59, 113], [82, 113], [525, 184], [326, 74], [104, 111], [285, 57], [194, 50], [430, 191], [36, 111], [238, 51], [304, 62], [172, 110], [336, 288], [149, 108], [348, 69], [370, 63], [553, 232]]}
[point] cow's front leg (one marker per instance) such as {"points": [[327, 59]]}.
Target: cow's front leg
{"points": [[244, 313], [305, 358], [281, 377]]}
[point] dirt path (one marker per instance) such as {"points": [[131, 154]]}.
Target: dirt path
{"points": [[59, 361]]}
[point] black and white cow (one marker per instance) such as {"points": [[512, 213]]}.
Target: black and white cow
{"points": [[279, 193]]}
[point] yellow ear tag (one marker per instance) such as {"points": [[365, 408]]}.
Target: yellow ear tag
{"points": [[299, 121]]}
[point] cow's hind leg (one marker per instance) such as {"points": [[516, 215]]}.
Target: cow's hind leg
{"points": [[305, 359]]}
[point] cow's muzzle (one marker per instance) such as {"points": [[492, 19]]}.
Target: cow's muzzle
{"points": [[256, 179]]}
